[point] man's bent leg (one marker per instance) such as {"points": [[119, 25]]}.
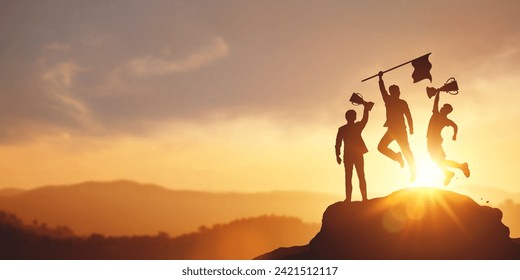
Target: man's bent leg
{"points": [[439, 157], [462, 166], [448, 175], [451, 163], [383, 148], [402, 140]]}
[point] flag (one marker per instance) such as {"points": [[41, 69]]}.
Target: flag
{"points": [[421, 69]]}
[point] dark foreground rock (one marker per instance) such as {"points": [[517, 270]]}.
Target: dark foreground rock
{"points": [[416, 223]]}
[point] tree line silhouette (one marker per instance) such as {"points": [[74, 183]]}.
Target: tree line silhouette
{"points": [[240, 239]]}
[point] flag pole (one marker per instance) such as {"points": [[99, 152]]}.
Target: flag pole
{"points": [[388, 70]]}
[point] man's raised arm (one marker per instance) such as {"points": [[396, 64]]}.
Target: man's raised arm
{"points": [[364, 120], [436, 102], [382, 87]]}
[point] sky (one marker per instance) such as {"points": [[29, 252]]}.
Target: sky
{"points": [[248, 95]]}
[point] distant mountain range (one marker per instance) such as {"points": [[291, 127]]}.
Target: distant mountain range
{"points": [[416, 223], [239, 239], [129, 208], [10, 191]]}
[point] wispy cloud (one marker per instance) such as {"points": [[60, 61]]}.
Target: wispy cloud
{"points": [[62, 74], [60, 80], [165, 64]]}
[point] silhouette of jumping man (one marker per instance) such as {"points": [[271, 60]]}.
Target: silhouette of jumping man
{"points": [[353, 151], [438, 121], [396, 110]]}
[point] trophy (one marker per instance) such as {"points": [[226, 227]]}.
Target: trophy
{"points": [[450, 87], [357, 99]]}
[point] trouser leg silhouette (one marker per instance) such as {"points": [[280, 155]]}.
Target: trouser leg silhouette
{"points": [[356, 161], [348, 179], [360, 170], [444, 164], [408, 155], [401, 137], [451, 163], [383, 146]]}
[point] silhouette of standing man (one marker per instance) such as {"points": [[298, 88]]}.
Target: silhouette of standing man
{"points": [[353, 151], [396, 110], [438, 121]]}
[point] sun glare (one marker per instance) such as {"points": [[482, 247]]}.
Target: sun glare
{"points": [[428, 173]]}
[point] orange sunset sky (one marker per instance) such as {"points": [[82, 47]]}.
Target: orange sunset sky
{"points": [[248, 95]]}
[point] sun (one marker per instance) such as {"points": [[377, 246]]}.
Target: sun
{"points": [[428, 173]]}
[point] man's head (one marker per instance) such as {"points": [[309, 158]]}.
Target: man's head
{"points": [[446, 109], [394, 91], [350, 116]]}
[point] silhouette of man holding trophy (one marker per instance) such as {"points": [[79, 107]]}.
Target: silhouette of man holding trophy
{"points": [[353, 147], [438, 121]]}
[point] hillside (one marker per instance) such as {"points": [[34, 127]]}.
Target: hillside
{"points": [[417, 223], [129, 208], [240, 239], [10, 191]]}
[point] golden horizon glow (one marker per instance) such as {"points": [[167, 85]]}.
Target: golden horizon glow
{"points": [[248, 98]]}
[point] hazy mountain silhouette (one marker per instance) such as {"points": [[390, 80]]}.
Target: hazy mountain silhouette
{"points": [[240, 239], [417, 223], [129, 208], [10, 191]]}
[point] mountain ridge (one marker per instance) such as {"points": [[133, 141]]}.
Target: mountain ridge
{"points": [[125, 207]]}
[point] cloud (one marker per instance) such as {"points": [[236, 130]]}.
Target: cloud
{"points": [[62, 75], [124, 67], [59, 86], [163, 64]]}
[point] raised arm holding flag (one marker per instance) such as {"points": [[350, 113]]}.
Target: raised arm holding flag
{"points": [[421, 65]]}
